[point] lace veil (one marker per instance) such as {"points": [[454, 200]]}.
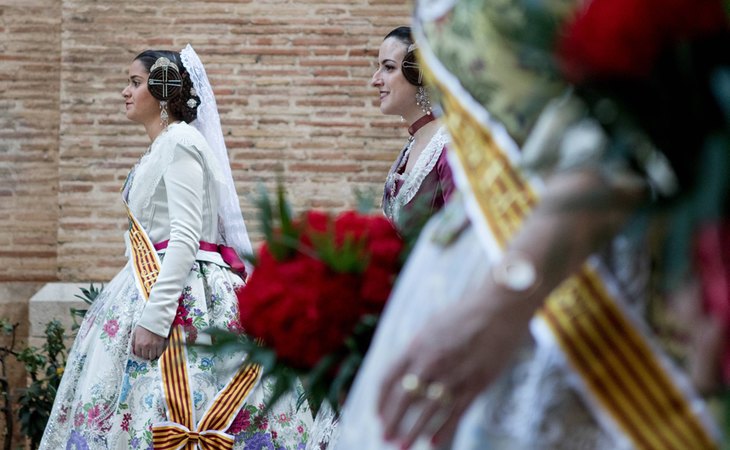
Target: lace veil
{"points": [[230, 219]]}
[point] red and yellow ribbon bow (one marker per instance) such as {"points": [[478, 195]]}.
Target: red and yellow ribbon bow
{"points": [[180, 431]]}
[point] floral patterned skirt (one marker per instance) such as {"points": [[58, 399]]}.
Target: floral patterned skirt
{"points": [[109, 399]]}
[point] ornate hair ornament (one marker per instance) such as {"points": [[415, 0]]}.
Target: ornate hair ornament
{"points": [[165, 80], [410, 67]]}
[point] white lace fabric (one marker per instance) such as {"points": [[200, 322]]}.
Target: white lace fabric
{"points": [[230, 218], [413, 179]]}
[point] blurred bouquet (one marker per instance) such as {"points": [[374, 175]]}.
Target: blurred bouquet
{"points": [[656, 75], [314, 297]]}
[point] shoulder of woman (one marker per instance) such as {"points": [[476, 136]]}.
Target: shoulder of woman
{"points": [[188, 137]]}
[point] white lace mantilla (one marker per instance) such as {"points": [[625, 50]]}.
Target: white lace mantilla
{"points": [[392, 205]]}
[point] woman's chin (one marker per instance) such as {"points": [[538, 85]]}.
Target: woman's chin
{"points": [[387, 111]]}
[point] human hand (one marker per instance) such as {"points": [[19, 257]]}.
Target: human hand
{"points": [[448, 363], [703, 335], [146, 344]]}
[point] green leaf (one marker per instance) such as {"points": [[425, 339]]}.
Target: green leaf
{"points": [[284, 382], [343, 379], [89, 295]]}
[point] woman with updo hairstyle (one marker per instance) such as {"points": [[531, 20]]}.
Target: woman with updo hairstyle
{"points": [[184, 106], [140, 373], [420, 182]]}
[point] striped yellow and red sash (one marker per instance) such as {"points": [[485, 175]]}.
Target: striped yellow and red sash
{"points": [[181, 432], [618, 368]]}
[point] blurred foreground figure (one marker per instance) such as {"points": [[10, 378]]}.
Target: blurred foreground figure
{"points": [[518, 320]]}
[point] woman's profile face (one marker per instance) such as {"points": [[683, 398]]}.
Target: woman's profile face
{"points": [[397, 95], [140, 105]]}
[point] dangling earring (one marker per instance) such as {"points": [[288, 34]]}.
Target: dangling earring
{"points": [[163, 114], [423, 100]]}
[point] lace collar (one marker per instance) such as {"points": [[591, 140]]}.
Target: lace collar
{"points": [[393, 203]]}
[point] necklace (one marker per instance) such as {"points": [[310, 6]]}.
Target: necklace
{"points": [[418, 124]]}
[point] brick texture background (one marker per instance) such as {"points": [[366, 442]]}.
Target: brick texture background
{"points": [[30, 86], [291, 80]]}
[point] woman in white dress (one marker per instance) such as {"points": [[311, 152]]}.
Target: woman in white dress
{"points": [[116, 388]]}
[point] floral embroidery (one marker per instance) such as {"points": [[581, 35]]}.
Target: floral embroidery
{"points": [[137, 368], [111, 327], [241, 422], [188, 316], [79, 419], [197, 399], [125, 421], [116, 406], [260, 441], [76, 442]]}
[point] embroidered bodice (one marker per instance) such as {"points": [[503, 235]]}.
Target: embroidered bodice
{"points": [[422, 190]]}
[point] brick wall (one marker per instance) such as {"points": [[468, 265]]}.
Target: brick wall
{"points": [[291, 79], [30, 43]]}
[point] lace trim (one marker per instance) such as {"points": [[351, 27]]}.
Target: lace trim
{"points": [[230, 219], [424, 165]]}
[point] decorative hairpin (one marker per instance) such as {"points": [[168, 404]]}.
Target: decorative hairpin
{"points": [[165, 81]]}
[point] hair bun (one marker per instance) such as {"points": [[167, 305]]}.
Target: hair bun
{"points": [[410, 67], [165, 81]]}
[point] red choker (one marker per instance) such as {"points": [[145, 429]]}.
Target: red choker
{"points": [[418, 124]]}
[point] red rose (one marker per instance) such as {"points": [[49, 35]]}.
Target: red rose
{"points": [[317, 221], [385, 251], [306, 308], [350, 225], [376, 288], [623, 38]]}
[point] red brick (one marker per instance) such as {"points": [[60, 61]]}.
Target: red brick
{"points": [[291, 80]]}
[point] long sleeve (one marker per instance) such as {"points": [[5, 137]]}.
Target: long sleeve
{"points": [[184, 186]]}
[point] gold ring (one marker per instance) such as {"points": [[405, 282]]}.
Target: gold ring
{"points": [[410, 383]]}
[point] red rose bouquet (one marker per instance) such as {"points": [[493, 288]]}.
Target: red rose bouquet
{"points": [[313, 299], [626, 38]]}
